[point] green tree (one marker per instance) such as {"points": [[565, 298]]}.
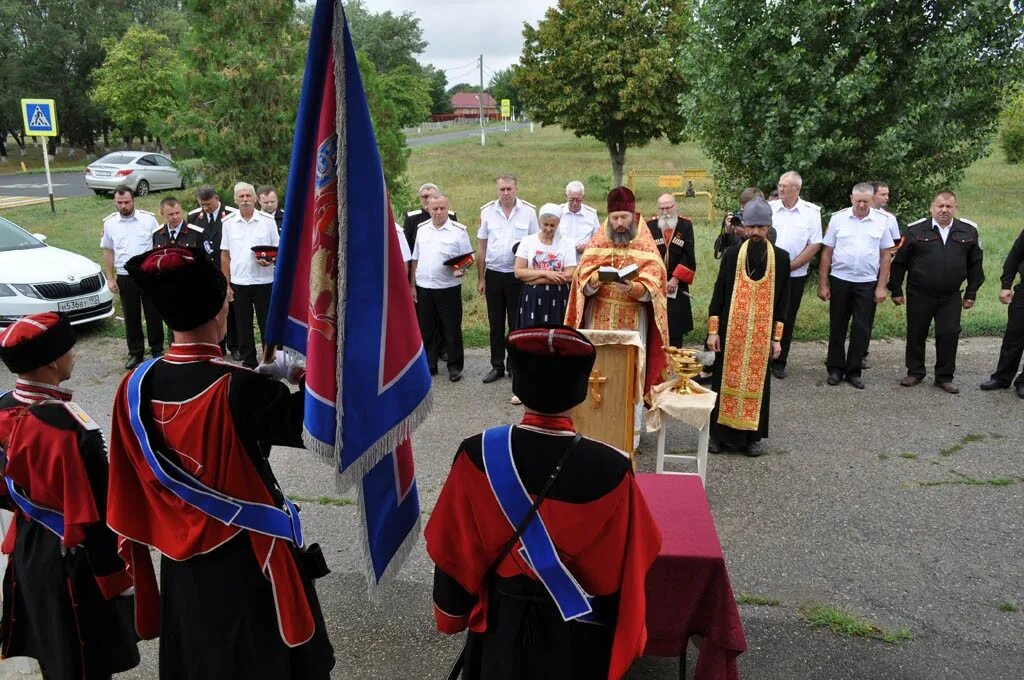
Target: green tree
{"points": [[239, 95], [394, 155], [462, 87], [409, 90], [1011, 134], [907, 92], [440, 102], [503, 86], [607, 69], [387, 39], [50, 49], [136, 83]]}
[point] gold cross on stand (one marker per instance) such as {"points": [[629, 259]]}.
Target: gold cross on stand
{"points": [[596, 380]]}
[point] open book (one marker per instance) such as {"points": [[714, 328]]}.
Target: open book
{"points": [[613, 275]]}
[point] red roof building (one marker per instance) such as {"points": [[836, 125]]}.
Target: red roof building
{"points": [[467, 104]]}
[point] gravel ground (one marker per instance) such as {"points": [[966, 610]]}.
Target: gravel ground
{"points": [[878, 501]]}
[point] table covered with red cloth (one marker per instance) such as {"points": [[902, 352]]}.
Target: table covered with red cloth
{"points": [[688, 591]]}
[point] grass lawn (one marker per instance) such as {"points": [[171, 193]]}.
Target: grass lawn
{"points": [[547, 159], [33, 160]]}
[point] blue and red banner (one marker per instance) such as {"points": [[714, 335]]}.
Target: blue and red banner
{"points": [[342, 300]]}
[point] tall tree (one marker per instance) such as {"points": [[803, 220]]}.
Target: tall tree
{"points": [[440, 102], [394, 155], [241, 88], [607, 69], [407, 87], [389, 40], [49, 49], [503, 86], [136, 83], [904, 91]]}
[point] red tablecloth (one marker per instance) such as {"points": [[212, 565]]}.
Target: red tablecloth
{"points": [[688, 591]]}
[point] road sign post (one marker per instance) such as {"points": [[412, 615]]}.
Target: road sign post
{"points": [[506, 112], [40, 116]]}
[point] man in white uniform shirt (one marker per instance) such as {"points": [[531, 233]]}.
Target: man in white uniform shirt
{"points": [[852, 275], [503, 223], [128, 232], [438, 291], [250, 279], [797, 225], [880, 202], [579, 221]]}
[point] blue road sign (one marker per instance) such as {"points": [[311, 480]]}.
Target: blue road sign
{"points": [[40, 116]]}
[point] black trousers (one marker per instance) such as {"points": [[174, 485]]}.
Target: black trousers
{"points": [[231, 339], [247, 300], [439, 312], [796, 296], [133, 304], [1013, 344], [851, 308], [922, 309], [502, 292]]}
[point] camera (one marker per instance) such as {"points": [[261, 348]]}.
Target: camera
{"points": [[736, 218]]}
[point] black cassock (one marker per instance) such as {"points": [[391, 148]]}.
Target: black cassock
{"points": [[62, 603], [721, 303], [680, 249]]}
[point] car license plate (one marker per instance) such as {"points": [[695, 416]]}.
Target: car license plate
{"points": [[81, 303]]}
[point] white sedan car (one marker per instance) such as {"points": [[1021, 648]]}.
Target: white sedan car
{"points": [[35, 277], [141, 171]]}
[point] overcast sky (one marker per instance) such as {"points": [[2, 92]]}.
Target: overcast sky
{"points": [[458, 31]]}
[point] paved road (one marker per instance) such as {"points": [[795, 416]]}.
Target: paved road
{"points": [[72, 184], [65, 184], [414, 141], [861, 501]]}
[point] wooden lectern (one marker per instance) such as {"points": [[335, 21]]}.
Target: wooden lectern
{"points": [[608, 413]]}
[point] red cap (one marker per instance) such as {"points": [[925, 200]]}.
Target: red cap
{"points": [[684, 274], [265, 252], [546, 341], [35, 340], [621, 199]]}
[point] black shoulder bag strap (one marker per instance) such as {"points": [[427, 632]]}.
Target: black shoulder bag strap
{"points": [[456, 670]]}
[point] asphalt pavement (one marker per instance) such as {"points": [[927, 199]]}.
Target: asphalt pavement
{"points": [[494, 130], [902, 505], [65, 185]]}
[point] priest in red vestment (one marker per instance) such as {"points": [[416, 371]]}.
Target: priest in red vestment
{"points": [[603, 536], [190, 477], [636, 304]]}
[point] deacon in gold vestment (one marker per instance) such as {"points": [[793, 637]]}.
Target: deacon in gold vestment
{"points": [[745, 324], [636, 305]]}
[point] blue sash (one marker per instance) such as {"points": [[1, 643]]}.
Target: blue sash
{"points": [[574, 604], [49, 518], [258, 517]]}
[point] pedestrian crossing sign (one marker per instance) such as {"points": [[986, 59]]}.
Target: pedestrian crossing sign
{"points": [[40, 117]]}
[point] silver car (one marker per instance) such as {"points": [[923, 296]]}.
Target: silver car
{"points": [[143, 171]]}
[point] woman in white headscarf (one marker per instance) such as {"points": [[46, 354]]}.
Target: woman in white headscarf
{"points": [[544, 263]]}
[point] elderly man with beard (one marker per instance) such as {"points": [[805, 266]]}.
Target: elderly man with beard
{"points": [[637, 304], [675, 234], [745, 324]]}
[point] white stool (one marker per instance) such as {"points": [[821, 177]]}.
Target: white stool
{"points": [[703, 438]]}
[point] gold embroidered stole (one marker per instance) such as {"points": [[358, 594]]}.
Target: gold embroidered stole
{"points": [[748, 345]]}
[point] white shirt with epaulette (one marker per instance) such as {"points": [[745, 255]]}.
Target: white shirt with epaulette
{"points": [[503, 232], [857, 244], [238, 239], [796, 228], [128, 236], [434, 246], [577, 228]]}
